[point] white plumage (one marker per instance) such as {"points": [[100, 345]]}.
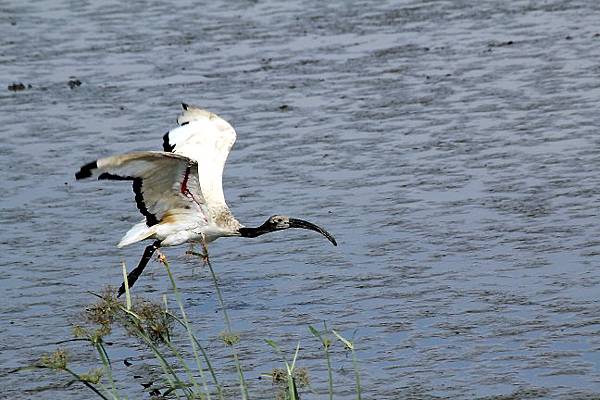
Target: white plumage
{"points": [[207, 139], [179, 190]]}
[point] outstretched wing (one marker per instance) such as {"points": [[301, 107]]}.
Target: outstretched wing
{"points": [[162, 182], [207, 139]]}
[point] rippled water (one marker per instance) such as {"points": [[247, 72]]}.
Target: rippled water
{"points": [[450, 146]]}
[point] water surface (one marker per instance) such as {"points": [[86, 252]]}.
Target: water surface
{"points": [[450, 147]]}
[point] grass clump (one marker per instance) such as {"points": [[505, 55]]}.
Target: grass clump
{"points": [[230, 339], [150, 318], [153, 324], [56, 361], [92, 376], [104, 311]]}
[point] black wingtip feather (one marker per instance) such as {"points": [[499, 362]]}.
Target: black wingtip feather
{"points": [[185, 106], [166, 145], [139, 200], [139, 194], [86, 170], [113, 177]]}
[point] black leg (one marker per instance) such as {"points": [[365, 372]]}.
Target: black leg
{"points": [[135, 274]]}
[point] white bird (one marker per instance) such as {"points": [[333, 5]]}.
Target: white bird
{"points": [[179, 190]]}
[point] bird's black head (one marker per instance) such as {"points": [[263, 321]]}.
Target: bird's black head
{"points": [[277, 222], [281, 222]]}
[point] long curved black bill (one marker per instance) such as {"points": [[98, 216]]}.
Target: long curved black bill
{"points": [[299, 223]]}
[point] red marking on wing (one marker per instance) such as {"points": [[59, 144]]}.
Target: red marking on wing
{"points": [[184, 188]]}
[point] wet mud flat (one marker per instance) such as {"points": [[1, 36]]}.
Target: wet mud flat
{"points": [[451, 148]]}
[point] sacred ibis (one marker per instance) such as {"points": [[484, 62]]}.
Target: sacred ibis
{"points": [[179, 190]]}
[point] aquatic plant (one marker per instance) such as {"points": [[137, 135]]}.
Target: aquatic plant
{"points": [[350, 346], [229, 337], [288, 375], [326, 343], [152, 323]]}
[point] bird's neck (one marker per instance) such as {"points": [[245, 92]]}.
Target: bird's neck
{"points": [[221, 216], [254, 232]]}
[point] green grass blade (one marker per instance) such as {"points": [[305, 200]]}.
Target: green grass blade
{"points": [[107, 367], [187, 326], [185, 365], [205, 356], [346, 342], [126, 283], [326, 344], [86, 383], [314, 331], [293, 391], [350, 346], [274, 345], [170, 374], [238, 365], [295, 356], [356, 375]]}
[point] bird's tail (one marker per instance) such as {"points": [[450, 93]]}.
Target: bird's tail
{"points": [[137, 233]]}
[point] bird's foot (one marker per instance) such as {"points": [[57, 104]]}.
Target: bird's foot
{"points": [[203, 256], [205, 252], [190, 251]]}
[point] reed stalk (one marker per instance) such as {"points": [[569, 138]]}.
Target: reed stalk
{"points": [[86, 383], [326, 342], [187, 325], [292, 390], [170, 374], [350, 346], [238, 366], [205, 356], [107, 367]]}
